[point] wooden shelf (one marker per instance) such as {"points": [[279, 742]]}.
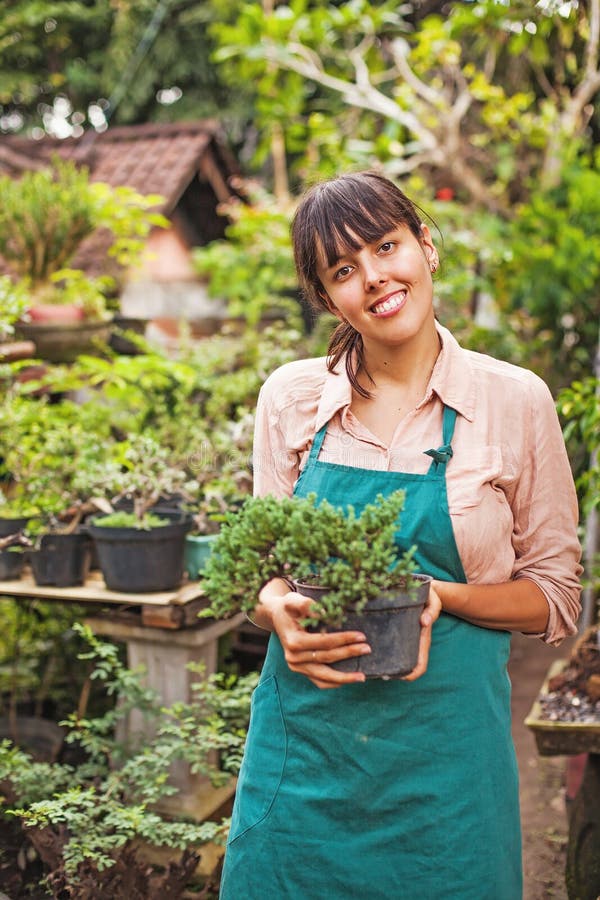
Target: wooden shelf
{"points": [[162, 609]]}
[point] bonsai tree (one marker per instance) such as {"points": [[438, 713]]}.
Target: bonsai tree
{"points": [[352, 556], [139, 471]]}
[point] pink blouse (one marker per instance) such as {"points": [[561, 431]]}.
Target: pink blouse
{"points": [[510, 490]]}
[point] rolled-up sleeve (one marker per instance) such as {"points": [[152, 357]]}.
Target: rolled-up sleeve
{"points": [[545, 514], [275, 468]]}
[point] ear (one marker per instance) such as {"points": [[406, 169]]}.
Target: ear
{"points": [[429, 248]]}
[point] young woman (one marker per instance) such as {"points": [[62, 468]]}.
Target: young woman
{"points": [[400, 789]]}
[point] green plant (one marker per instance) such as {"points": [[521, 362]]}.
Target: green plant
{"points": [[139, 470], [13, 303], [85, 819], [47, 456], [550, 268], [253, 269], [47, 214], [352, 555], [80, 290], [579, 409]]}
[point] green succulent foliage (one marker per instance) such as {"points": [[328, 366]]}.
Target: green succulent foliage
{"points": [[352, 555], [99, 807]]}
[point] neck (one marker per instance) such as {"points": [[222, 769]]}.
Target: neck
{"points": [[405, 365]]}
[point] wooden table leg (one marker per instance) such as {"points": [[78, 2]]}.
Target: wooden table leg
{"points": [[165, 654]]}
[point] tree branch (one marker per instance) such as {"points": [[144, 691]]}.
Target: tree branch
{"points": [[297, 58]]}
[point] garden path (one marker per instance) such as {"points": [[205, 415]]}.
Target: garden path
{"points": [[542, 778]]}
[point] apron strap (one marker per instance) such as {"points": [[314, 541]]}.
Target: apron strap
{"points": [[317, 444], [444, 453]]}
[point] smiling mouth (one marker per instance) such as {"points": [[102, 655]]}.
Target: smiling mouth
{"points": [[390, 304]]}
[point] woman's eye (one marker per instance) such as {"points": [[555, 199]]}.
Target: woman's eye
{"points": [[341, 273], [386, 246]]}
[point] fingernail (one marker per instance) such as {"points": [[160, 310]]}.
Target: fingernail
{"points": [[426, 619], [365, 649]]}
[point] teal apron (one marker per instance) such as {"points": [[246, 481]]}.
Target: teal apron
{"points": [[387, 790]]}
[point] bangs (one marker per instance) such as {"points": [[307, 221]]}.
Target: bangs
{"points": [[341, 216], [341, 226]]}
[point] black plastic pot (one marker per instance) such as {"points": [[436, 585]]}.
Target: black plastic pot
{"points": [[135, 560], [63, 560], [391, 626], [11, 564], [12, 526], [41, 738]]}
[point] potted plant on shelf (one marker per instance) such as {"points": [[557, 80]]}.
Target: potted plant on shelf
{"points": [[140, 548], [44, 219], [347, 562], [218, 496], [12, 555], [45, 451]]}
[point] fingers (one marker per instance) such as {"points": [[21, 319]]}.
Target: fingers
{"points": [[429, 615], [310, 653]]}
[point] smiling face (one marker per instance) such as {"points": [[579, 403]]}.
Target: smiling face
{"points": [[383, 288]]}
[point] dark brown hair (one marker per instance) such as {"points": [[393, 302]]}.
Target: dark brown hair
{"points": [[331, 216]]}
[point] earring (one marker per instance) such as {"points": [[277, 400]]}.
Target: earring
{"points": [[434, 267]]}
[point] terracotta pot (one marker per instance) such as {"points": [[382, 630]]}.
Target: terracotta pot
{"points": [[55, 313]]}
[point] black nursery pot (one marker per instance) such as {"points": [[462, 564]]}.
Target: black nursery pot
{"points": [[391, 626], [139, 561], [11, 564], [63, 560], [12, 526]]}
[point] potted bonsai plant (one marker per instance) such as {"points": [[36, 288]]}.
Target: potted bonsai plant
{"points": [[347, 562], [140, 547], [12, 555]]}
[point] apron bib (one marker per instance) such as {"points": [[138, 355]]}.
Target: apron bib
{"points": [[387, 790]]}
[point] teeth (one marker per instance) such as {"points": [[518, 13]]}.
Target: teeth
{"points": [[389, 304]]}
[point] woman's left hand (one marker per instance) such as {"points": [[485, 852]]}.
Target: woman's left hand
{"points": [[430, 613]]}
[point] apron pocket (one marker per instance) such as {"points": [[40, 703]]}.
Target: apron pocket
{"points": [[264, 760]]}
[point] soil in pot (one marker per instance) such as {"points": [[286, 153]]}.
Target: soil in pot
{"points": [[391, 626], [11, 564], [135, 560], [573, 695], [63, 560]]}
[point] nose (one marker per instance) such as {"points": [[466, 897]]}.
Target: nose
{"points": [[373, 276]]}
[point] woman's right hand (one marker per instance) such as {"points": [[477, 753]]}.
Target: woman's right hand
{"points": [[306, 652]]}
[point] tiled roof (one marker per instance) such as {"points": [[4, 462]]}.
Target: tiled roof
{"points": [[152, 158]]}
